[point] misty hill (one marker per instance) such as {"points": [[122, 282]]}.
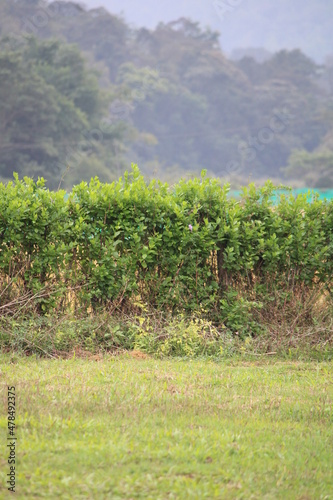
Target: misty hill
{"points": [[166, 98], [304, 24]]}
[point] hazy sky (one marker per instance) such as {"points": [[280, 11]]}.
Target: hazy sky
{"points": [[305, 24], [150, 12]]}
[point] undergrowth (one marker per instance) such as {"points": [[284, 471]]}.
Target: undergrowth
{"points": [[156, 333]]}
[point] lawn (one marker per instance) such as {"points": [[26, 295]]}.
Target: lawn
{"points": [[135, 427]]}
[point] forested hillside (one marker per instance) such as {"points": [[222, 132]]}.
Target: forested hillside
{"points": [[305, 24], [167, 99]]}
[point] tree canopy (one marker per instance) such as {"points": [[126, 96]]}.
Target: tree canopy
{"points": [[80, 87]]}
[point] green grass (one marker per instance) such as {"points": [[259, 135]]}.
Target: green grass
{"points": [[126, 428]]}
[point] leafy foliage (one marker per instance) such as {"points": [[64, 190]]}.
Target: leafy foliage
{"points": [[50, 109]]}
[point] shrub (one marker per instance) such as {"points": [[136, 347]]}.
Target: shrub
{"points": [[182, 250]]}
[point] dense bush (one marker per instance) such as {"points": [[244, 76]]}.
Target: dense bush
{"points": [[186, 249]]}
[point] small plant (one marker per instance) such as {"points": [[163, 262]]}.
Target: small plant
{"points": [[182, 337], [236, 312]]}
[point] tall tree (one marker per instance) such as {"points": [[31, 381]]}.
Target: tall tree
{"points": [[51, 108]]}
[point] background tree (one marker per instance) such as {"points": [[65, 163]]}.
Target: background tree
{"points": [[50, 110], [167, 99]]}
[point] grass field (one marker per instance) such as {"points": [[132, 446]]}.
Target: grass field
{"points": [[134, 427]]}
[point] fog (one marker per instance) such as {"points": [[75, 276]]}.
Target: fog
{"points": [[236, 87], [303, 24]]}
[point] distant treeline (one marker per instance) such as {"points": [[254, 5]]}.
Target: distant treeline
{"points": [[167, 98]]}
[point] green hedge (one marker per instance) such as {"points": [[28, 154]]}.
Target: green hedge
{"points": [[187, 248]]}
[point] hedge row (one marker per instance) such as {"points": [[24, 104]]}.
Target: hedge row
{"points": [[183, 248]]}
